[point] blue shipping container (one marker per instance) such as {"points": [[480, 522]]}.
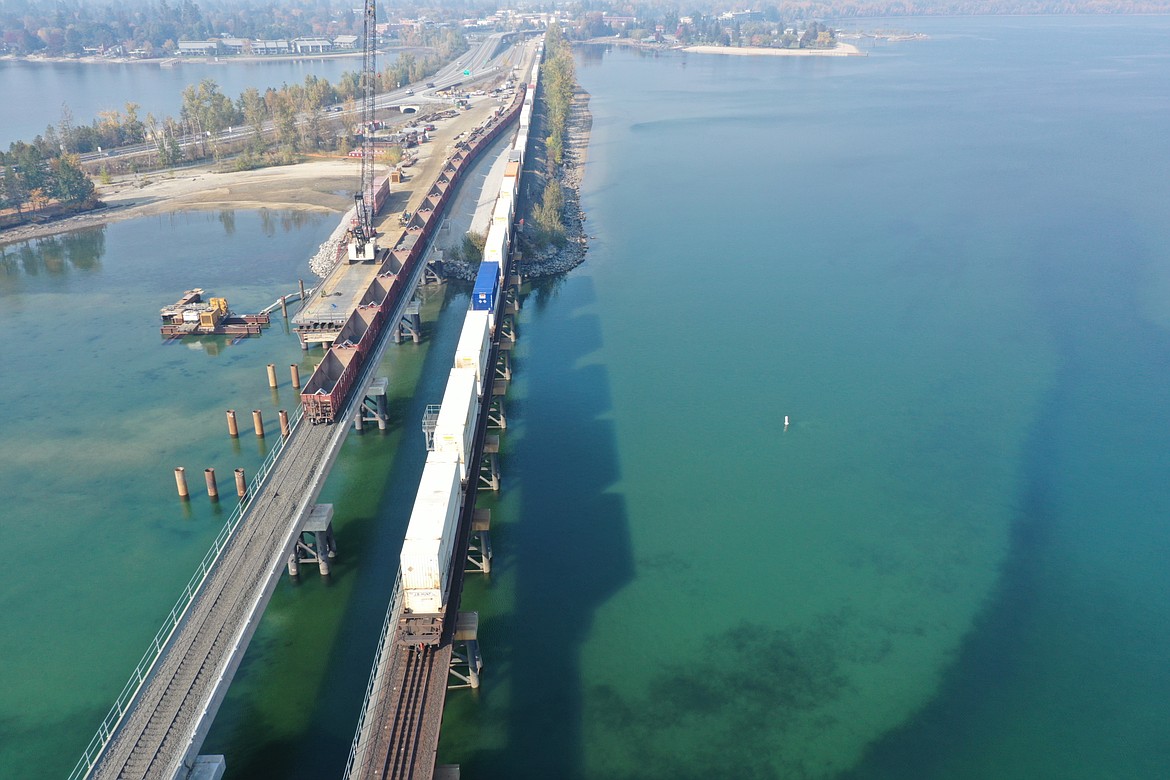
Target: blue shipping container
{"points": [[487, 286]]}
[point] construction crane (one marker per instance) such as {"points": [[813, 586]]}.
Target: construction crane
{"points": [[363, 224]]}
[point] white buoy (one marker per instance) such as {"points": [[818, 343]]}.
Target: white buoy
{"points": [[785, 422]]}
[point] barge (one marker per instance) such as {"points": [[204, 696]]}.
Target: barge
{"points": [[192, 316]]}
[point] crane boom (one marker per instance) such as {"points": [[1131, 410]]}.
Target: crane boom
{"points": [[363, 230]]}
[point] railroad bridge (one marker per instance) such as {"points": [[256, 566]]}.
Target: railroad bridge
{"points": [[158, 724]]}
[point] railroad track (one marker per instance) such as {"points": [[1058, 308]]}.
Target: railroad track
{"points": [[153, 739]]}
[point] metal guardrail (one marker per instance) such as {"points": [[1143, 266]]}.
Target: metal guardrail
{"points": [[141, 672], [391, 619]]}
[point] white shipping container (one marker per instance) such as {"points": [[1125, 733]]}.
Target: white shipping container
{"points": [[474, 343], [496, 247], [455, 427], [525, 116], [503, 211], [521, 142], [508, 185], [430, 535]]}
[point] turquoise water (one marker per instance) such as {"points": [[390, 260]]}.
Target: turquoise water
{"points": [[948, 263]]}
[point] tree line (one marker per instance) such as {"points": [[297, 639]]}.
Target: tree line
{"points": [[558, 82], [30, 183], [154, 27], [278, 124]]}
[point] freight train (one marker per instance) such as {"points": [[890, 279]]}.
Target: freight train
{"points": [[327, 391], [429, 562]]}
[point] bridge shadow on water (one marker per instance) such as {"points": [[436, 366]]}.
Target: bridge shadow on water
{"points": [[562, 550]]}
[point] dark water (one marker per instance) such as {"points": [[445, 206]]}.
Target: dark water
{"points": [[948, 263]]}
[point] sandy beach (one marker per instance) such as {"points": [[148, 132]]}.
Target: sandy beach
{"points": [[842, 50]]}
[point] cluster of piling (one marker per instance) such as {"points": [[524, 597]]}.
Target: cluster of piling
{"points": [[233, 427]]}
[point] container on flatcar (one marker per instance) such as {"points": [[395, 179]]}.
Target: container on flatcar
{"points": [[430, 536], [487, 287], [474, 343], [455, 426], [495, 248], [502, 214]]}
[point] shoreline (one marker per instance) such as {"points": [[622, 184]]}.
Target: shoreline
{"points": [[226, 59], [305, 186], [841, 50], [558, 260]]}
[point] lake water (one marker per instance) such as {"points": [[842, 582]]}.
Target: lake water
{"points": [[42, 88], [948, 263]]}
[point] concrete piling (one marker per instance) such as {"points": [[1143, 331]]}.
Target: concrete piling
{"points": [[295, 372], [284, 306], [212, 490], [233, 428], [272, 375], [181, 483], [285, 429], [258, 423], [302, 284], [241, 484]]}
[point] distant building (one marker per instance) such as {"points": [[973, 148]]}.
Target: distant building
{"points": [[233, 45], [312, 45], [270, 47], [345, 42], [199, 48]]}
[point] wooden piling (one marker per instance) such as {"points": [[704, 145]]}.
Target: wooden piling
{"points": [[241, 484], [258, 423], [284, 306], [181, 483], [302, 283], [212, 490], [272, 375], [233, 428]]}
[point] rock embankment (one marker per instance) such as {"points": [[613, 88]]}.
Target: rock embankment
{"points": [[326, 258], [557, 260], [551, 260]]}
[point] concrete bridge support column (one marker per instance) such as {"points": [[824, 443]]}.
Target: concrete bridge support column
{"points": [[489, 467], [466, 661], [479, 545], [410, 324], [374, 407], [315, 542]]}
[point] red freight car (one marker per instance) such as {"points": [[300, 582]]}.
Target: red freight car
{"points": [[328, 388]]}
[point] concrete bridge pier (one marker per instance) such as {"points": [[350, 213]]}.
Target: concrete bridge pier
{"points": [[489, 466], [466, 662], [373, 407], [479, 544], [410, 324], [430, 273], [315, 542], [495, 414], [504, 366]]}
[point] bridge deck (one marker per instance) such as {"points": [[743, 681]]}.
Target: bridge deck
{"points": [[156, 734], [404, 719]]}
